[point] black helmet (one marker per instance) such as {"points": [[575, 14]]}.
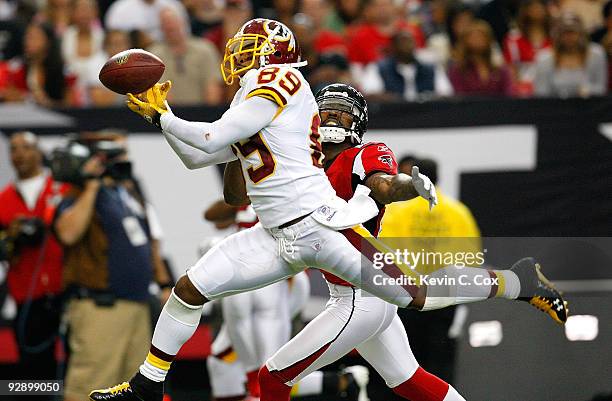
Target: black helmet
{"points": [[341, 97]]}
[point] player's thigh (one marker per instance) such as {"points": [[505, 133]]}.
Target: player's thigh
{"points": [[390, 354], [346, 322], [349, 256], [241, 262]]}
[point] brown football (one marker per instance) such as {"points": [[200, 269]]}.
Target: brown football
{"points": [[132, 71]]}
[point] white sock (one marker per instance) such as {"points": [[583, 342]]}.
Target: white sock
{"points": [[176, 324], [509, 284], [456, 285]]}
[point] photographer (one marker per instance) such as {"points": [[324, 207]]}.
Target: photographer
{"points": [[34, 257], [111, 257]]}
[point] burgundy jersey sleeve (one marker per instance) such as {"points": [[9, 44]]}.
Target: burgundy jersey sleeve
{"points": [[374, 158]]}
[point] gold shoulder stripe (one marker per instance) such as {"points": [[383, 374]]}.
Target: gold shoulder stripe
{"points": [[269, 93]]}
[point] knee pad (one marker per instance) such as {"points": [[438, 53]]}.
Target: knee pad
{"points": [[182, 312]]}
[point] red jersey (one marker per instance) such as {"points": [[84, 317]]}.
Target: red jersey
{"points": [[352, 167], [49, 279], [518, 49]]}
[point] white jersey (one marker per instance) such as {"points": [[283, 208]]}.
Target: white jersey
{"points": [[282, 164]]}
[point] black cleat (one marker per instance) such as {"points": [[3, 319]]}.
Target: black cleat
{"points": [[138, 389], [538, 291]]}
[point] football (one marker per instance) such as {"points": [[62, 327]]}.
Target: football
{"points": [[132, 71]]}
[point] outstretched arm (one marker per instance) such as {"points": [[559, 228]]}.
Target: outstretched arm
{"points": [[388, 188], [194, 158], [237, 123]]}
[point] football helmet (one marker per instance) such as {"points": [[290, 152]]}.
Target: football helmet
{"points": [[346, 99], [267, 41]]}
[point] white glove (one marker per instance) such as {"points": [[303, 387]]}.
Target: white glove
{"points": [[425, 188]]}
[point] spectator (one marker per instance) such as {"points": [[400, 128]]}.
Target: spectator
{"points": [[284, 10], [332, 68], [403, 76], [35, 268], [500, 14], [57, 14], [432, 336], [441, 42], [600, 33], [459, 18], [574, 66], [114, 42], [368, 42], [607, 45], [318, 13], [82, 47], [142, 15], [588, 11], [348, 12], [12, 28], [433, 16], [475, 71], [141, 39], [317, 42], [110, 260], [191, 64], [523, 44], [204, 15], [40, 75], [11, 32], [236, 13]]}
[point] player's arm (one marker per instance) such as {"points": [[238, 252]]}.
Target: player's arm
{"points": [[240, 122], [237, 123], [194, 158], [152, 105], [388, 188], [234, 186]]}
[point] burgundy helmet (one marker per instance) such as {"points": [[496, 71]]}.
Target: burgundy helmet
{"points": [[260, 39]]}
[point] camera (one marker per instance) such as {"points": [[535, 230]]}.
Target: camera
{"points": [[67, 162], [30, 232]]}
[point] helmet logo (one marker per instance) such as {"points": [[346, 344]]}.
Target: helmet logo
{"points": [[279, 32]]}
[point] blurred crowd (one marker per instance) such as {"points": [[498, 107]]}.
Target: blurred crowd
{"points": [[52, 50]]}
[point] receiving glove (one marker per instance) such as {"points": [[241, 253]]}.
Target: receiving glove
{"points": [[152, 103], [425, 188]]}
